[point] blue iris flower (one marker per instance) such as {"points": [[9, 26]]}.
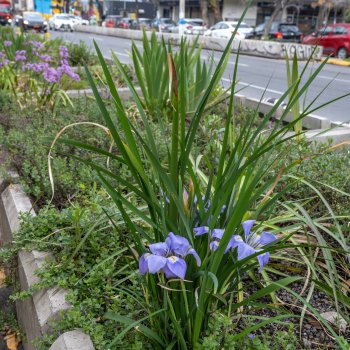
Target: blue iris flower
{"points": [[168, 256], [252, 243]]}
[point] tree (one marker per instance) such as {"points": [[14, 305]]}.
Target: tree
{"points": [[279, 6]]}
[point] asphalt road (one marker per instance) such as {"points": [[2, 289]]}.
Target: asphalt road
{"points": [[257, 76]]}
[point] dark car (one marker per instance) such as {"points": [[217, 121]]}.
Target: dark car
{"points": [[125, 23], [33, 21], [279, 31], [141, 23], [163, 24], [335, 39]]}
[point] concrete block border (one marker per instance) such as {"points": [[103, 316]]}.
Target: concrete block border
{"points": [[260, 48], [37, 313], [312, 122]]}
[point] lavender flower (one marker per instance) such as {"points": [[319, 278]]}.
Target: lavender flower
{"points": [[67, 70], [168, 256], [20, 55], [2, 54], [7, 43], [36, 67], [4, 63], [37, 44], [252, 243], [52, 75], [63, 51], [45, 58]]}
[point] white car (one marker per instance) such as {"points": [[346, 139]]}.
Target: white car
{"points": [[62, 21], [193, 26], [225, 29], [79, 20]]}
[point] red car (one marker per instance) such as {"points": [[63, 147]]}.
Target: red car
{"points": [[335, 39]]}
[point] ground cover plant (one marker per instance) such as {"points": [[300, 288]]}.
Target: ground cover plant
{"points": [[208, 224], [209, 229]]}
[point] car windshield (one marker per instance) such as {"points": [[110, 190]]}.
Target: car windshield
{"points": [[243, 25], [197, 23], [288, 27], [62, 17], [4, 9], [260, 27], [166, 21], [33, 17]]}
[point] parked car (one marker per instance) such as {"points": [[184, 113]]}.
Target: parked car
{"points": [[279, 31], [125, 23], [79, 20], [334, 38], [112, 21], [61, 21], [225, 29], [141, 23], [163, 24], [34, 21], [191, 26]]}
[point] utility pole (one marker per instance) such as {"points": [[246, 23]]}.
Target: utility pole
{"points": [[181, 17]]}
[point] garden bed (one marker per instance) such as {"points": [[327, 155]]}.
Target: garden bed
{"points": [[97, 234]]}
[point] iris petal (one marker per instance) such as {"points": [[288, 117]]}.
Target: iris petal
{"points": [[196, 256], [244, 250], [234, 242], [247, 226], [217, 233], [159, 248], [214, 245], [178, 244], [155, 263], [266, 238], [201, 230], [177, 266], [143, 264], [263, 259]]}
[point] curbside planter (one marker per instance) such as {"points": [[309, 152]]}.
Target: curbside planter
{"points": [[35, 314]]}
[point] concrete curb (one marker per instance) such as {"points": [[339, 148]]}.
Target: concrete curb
{"points": [[260, 48], [310, 122], [337, 62], [73, 340], [35, 314]]}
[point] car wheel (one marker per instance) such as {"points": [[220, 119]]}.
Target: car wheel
{"points": [[342, 53]]}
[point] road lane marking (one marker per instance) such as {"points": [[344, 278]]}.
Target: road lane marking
{"points": [[121, 54], [216, 60], [95, 38], [335, 79], [255, 86]]}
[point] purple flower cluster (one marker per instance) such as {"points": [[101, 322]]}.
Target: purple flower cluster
{"points": [[4, 63], [7, 43], [45, 58], [37, 44], [63, 51], [252, 243], [36, 67], [20, 55], [52, 75], [3, 60], [169, 257]]}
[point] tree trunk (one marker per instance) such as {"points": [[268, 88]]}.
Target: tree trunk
{"points": [[216, 10], [275, 13], [204, 9]]}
